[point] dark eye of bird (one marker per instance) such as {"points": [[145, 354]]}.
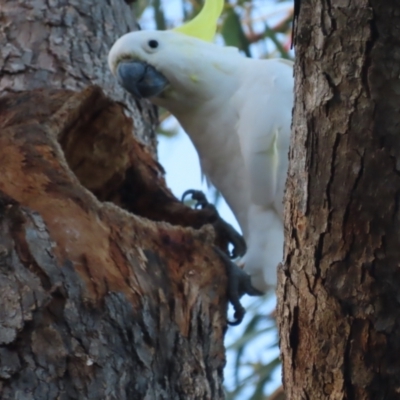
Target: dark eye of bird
{"points": [[153, 44]]}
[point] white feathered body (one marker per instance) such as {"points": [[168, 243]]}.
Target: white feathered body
{"points": [[237, 112]]}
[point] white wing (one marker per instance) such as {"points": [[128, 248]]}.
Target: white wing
{"points": [[264, 103]]}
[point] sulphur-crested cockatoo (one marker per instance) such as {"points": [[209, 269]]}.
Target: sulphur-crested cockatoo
{"points": [[237, 112]]}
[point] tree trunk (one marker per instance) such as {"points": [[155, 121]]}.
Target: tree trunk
{"points": [[64, 44], [338, 309], [101, 296]]}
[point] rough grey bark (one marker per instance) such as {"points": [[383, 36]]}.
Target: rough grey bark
{"points": [[63, 44], [339, 306]]}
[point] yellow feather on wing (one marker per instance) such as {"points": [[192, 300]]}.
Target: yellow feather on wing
{"points": [[204, 25]]}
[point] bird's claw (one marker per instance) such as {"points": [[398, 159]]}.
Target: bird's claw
{"points": [[239, 283], [199, 197], [236, 239]]}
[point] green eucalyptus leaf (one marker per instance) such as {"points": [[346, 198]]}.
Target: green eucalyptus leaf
{"points": [[233, 33]]}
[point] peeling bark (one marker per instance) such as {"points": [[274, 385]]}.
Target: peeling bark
{"points": [[338, 308], [98, 302]]}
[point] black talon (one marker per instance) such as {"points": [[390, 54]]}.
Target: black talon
{"points": [[239, 283], [239, 245], [200, 198], [236, 239]]}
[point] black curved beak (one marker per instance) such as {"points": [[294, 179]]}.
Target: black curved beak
{"points": [[140, 79]]}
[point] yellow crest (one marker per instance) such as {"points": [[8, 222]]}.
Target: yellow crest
{"points": [[204, 25]]}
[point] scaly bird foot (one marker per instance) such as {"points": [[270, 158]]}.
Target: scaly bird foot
{"points": [[227, 230], [239, 283]]}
